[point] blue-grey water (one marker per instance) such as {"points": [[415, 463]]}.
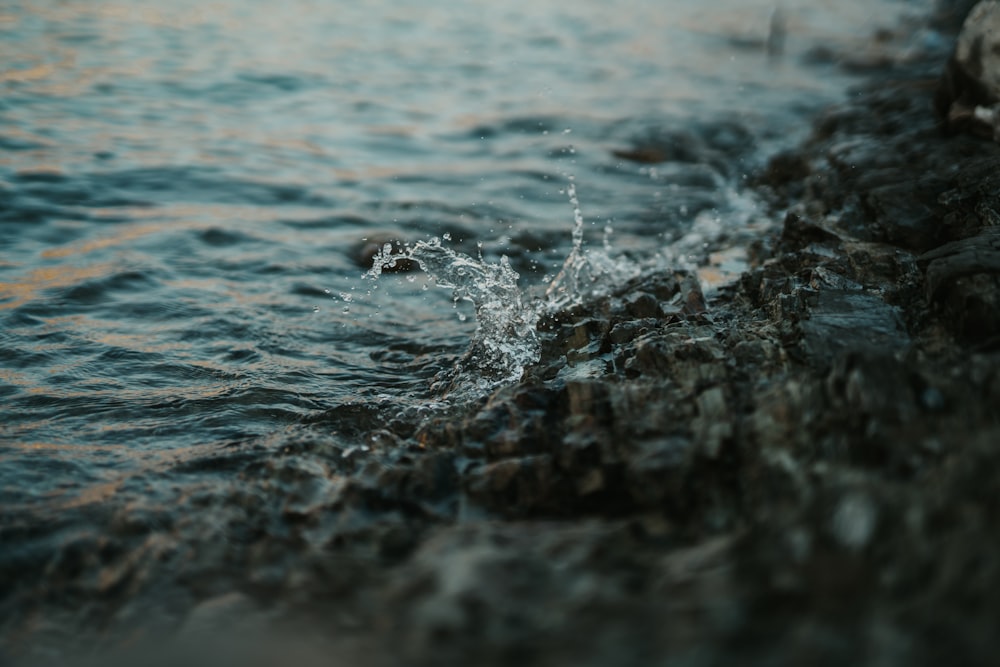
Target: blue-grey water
{"points": [[183, 184]]}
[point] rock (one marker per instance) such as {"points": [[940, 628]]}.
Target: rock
{"points": [[718, 144], [840, 320], [969, 256], [968, 97], [517, 486], [963, 282], [853, 521], [364, 253], [712, 425]]}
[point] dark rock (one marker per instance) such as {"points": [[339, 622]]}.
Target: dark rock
{"points": [[786, 170], [840, 320], [719, 144], [517, 487], [364, 253], [969, 256], [963, 280]]}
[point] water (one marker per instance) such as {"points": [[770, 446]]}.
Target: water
{"points": [[183, 185]]}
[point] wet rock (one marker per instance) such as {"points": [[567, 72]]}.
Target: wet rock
{"points": [[873, 385], [786, 170], [540, 593], [839, 320], [656, 470], [516, 486], [968, 97], [854, 521], [974, 200], [801, 234], [963, 280], [712, 426], [907, 212], [376, 244], [969, 256], [721, 144]]}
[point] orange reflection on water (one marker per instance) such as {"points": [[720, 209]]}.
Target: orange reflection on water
{"points": [[124, 234], [15, 294], [94, 494], [11, 377], [144, 461], [72, 450], [35, 73]]}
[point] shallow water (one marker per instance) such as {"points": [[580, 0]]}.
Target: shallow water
{"points": [[182, 187]]}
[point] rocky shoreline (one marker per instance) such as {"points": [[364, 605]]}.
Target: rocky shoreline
{"points": [[802, 469]]}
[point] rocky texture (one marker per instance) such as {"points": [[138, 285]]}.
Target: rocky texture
{"points": [[802, 469]]}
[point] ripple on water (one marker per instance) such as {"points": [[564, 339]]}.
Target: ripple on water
{"points": [[97, 291], [36, 195]]}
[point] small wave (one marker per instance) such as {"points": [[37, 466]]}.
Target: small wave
{"points": [[200, 184]]}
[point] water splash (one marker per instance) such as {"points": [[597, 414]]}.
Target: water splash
{"points": [[506, 339], [587, 273]]}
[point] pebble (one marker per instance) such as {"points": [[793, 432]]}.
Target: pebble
{"points": [[854, 520]]}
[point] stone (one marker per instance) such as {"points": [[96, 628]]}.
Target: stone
{"points": [[968, 97], [364, 253]]}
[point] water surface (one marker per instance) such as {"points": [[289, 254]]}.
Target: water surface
{"points": [[182, 185]]}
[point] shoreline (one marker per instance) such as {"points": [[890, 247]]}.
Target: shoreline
{"points": [[806, 462], [801, 468]]}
